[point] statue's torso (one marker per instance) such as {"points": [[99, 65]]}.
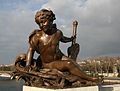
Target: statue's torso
{"points": [[46, 45]]}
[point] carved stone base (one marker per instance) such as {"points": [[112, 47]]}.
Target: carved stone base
{"points": [[114, 87], [91, 88]]}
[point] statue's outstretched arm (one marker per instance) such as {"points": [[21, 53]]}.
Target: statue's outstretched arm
{"points": [[66, 39]]}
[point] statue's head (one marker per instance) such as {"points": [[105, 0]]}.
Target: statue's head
{"points": [[44, 17]]}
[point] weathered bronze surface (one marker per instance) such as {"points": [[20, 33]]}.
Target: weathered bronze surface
{"points": [[52, 68]]}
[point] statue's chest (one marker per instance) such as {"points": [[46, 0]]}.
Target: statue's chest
{"points": [[46, 39]]}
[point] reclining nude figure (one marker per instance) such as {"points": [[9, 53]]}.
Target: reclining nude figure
{"points": [[46, 43]]}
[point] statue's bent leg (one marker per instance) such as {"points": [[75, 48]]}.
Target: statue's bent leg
{"points": [[72, 67]]}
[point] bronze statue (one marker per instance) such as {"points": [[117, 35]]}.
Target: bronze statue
{"points": [[45, 41]]}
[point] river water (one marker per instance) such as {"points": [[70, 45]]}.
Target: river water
{"points": [[10, 85]]}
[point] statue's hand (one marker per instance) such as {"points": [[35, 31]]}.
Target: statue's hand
{"points": [[73, 37], [28, 68]]}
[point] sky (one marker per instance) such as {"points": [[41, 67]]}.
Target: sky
{"points": [[98, 31]]}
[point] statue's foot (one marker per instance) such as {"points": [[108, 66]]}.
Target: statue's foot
{"points": [[97, 80]]}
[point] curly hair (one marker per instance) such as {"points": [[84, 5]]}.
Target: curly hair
{"points": [[44, 14]]}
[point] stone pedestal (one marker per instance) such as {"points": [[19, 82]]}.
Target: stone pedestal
{"points": [[90, 88], [115, 87]]}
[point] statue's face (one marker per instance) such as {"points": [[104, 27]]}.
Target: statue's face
{"points": [[44, 21], [46, 25]]}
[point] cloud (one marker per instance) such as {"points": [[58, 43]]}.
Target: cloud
{"points": [[102, 27], [15, 27], [98, 29]]}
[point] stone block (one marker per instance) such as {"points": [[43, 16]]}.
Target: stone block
{"points": [[90, 88]]}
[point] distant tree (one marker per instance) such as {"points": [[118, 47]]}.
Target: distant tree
{"points": [[101, 64]]}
